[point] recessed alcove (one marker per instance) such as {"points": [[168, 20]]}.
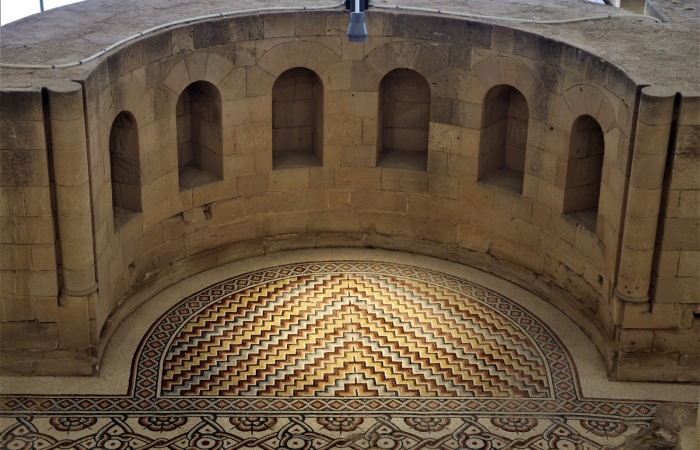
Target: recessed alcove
{"points": [[403, 121], [503, 138], [584, 171], [125, 168], [297, 120], [199, 135]]}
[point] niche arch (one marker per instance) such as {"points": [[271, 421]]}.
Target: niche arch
{"points": [[125, 113], [403, 120], [125, 166], [297, 119], [503, 137], [584, 170], [200, 157]]}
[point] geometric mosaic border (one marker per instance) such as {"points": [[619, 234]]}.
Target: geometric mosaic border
{"points": [[565, 401]]}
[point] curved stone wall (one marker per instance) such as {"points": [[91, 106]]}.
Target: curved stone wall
{"points": [[464, 205]]}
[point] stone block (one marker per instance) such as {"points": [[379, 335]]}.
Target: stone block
{"points": [[437, 163], [33, 230], [43, 257], [644, 366], [16, 257], [438, 208], [443, 186], [322, 177], [358, 155], [314, 200], [681, 234], [467, 114], [343, 131], [379, 201], [46, 309], [18, 309], [182, 40], [268, 203], [246, 28], [513, 204], [11, 202], [309, 23], [676, 290], [689, 264], [339, 221], [462, 166], [28, 335], [223, 211], [357, 178], [253, 136], [404, 181], [517, 253], [157, 213], [550, 195], [210, 33], [444, 138], [253, 184], [436, 230], [358, 104], [639, 316], [172, 228], [321, 59], [686, 171], [527, 234], [561, 251], [278, 25], [473, 238], [388, 224], [636, 340], [688, 368], [677, 341], [150, 239], [23, 168], [285, 224], [72, 336], [289, 179], [258, 82], [212, 192]]}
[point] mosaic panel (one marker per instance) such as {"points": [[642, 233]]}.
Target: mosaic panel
{"points": [[341, 354]]}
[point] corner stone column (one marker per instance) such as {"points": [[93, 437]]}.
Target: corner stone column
{"points": [[70, 170], [651, 146]]}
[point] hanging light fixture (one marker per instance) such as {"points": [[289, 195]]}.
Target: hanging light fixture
{"points": [[357, 31]]}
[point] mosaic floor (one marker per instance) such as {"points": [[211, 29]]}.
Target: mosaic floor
{"points": [[337, 354]]}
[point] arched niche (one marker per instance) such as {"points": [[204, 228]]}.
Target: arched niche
{"points": [[584, 170], [503, 142], [403, 120], [199, 135], [297, 119], [125, 166]]}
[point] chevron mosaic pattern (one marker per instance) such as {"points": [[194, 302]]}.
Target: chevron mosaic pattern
{"points": [[352, 335], [344, 340], [346, 354]]}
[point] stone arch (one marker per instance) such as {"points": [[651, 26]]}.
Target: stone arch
{"points": [[583, 99], [297, 119], [201, 66], [127, 96], [305, 54], [494, 71], [408, 55]]}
